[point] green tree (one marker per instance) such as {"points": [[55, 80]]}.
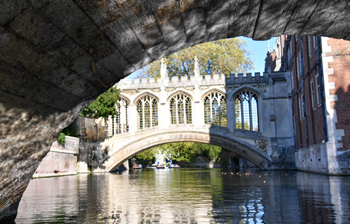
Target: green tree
{"points": [[147, 154], [179, 151], [222, 56], [104, 105]]}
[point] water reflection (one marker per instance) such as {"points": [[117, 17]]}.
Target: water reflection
{"points": [[187, 196]]}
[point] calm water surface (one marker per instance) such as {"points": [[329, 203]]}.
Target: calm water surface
{"points": [[187, 196]]}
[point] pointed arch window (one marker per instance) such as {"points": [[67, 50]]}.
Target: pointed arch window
{"points": [[215, 111], [181, 109], [119, 122], [246, 110], [147, 109]]}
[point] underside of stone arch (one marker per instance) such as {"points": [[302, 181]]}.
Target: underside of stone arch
{"points": [[57, 56], [153, 138]]}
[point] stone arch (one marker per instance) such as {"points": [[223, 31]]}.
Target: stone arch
{"points": [[215, 107], [120, 122], [181, 107], [186, 92], [242, 88], [243, 111], [147, 107], [121, 95], [146, 93], [213, 90], [152, 139]]}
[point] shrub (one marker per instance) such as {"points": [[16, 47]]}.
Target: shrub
{"points": [[61, 139]]}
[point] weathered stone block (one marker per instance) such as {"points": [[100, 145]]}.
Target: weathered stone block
{"points": [[10, 9]]}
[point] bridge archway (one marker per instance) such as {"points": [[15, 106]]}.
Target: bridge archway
{"points": [[216, 136]]}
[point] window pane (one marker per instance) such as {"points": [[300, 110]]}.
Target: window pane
{"points": [[255, 119], [238, 111], [188, 111], [207, 110], [181, 112], [147, 115], [147, 108], [154, 113], [173, 111], [223, 112], [181, 109], [246, 110], [246, 114], [215, 111], [140, 114]]}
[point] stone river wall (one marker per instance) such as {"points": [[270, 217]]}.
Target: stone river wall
{"points": [[61, 160]]}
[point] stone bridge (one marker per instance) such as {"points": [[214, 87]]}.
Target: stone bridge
{"points": [[126, 145], [209, 109], [56, 56]]}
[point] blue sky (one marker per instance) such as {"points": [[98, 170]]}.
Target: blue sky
{"points": [[258, 51]]}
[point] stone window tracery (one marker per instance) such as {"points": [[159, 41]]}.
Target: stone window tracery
{"points": [[246, 110], [181, 109], [120, 121], [147, 108], [215, 111]]}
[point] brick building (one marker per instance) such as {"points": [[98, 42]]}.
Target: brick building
{"points": [[319, 68]]}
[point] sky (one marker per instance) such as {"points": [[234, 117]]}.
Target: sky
{"points": [[258, 51]]}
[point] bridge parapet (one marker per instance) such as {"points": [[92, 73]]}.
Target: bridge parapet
{"points": [[247, 78], [173, 82], [209, 80]]}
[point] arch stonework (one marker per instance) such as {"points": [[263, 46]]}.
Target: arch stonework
{"points": [[53, 65], [145, 93], [122, 150], [121, 95], [205, 94], [253, 89], [182, 91]]}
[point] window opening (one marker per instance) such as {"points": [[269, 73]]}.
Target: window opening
{"points": [[181, 109], [246, 111]]}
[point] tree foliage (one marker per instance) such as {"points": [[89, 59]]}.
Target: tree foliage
{"points": [[181, 151], [147, 154], [61, 139], [222, 56], [104, 105], [70, 130]]}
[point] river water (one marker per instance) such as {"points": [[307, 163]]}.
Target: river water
{"points": [[187, 196]]}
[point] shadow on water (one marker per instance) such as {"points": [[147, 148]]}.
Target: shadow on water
{"points": [[188, 195]]}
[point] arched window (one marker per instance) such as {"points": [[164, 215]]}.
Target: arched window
{"points": [[147, 108], [215, 109], [246, 111], [120, 121], [181, 109]]}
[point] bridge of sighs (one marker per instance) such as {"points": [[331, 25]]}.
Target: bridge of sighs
{"points": [[247, 113]]}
